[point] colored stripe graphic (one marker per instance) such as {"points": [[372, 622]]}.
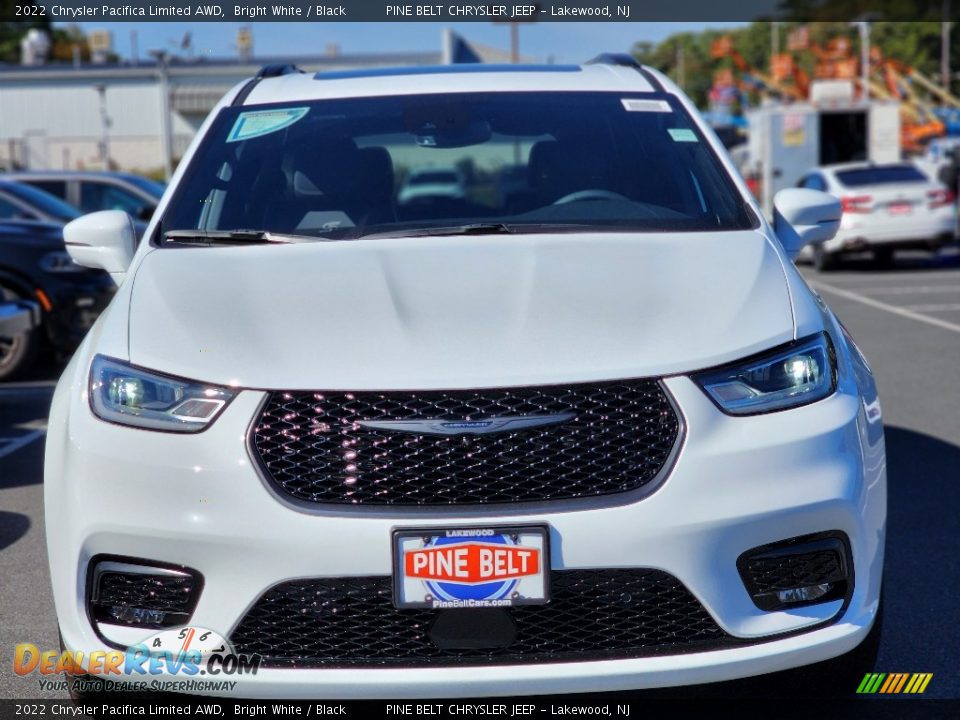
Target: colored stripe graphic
{"points": [[894, 683]]}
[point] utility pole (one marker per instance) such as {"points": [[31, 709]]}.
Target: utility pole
{"points": [[166, 129], [774, 41], [945, 28], [681, 69], [864, 27]]}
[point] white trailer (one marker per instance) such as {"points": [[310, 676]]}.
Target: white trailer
{"points": [[787, 140]]}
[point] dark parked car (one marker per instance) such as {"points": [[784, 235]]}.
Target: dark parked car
{"points": [[91, 191], [35, 267], [20, 201]]}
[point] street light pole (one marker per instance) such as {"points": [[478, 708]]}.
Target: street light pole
{"points": [[105, 123]]}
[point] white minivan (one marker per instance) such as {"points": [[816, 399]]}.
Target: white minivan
{"points": [[591, 433]]}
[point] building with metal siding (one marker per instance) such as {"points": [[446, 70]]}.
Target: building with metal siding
{"points": [[65, 117]]}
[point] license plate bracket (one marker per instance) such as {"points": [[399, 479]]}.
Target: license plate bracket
{"points": [[471, 567]]}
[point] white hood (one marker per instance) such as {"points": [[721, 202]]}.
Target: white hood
{"points": [[458, 311]]}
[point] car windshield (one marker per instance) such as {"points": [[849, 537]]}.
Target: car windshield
{"points": [[522, 161], [881, 175], [45, 202]]}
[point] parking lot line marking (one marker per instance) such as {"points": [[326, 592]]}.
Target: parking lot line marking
{"points": [[14, 444], [863, 279], [945, 307], [880, 305], [911, 289]]}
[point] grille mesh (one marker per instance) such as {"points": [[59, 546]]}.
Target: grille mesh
{"points": [[770, 575], [313, 448], [145, 600], [156, 592], [593, 614]]}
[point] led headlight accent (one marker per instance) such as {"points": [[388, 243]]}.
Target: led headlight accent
{"points": [[129, 395], [787, 377]]}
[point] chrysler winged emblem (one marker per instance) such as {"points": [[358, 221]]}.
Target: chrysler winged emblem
{"points": [[468, 427]]}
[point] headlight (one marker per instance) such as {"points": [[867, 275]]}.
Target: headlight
{"points": [[128, 395], [796, 374]]}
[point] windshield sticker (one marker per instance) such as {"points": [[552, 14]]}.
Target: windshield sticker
{"points": [[682, 135], [263, 122], [634, 105]]}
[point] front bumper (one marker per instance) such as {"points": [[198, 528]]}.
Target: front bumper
{"points": [[738, 483]]}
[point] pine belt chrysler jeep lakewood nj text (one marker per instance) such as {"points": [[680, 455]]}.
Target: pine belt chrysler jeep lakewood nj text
{"points": [[578, 426]]}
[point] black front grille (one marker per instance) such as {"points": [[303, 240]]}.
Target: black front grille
{"points": [[593, 614], [313, 446]]}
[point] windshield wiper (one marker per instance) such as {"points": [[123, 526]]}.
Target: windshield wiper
{"points": [[469, 229], [236, 237]]}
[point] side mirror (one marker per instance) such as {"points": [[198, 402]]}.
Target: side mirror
{"points": [[802, 216], [105, 240]]}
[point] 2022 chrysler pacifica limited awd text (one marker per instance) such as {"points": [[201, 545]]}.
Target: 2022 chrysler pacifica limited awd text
{"points": [[592, 433]]}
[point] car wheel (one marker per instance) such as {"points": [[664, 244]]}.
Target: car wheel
{"points": [[823, 261], [16, 351], [883, 257]]}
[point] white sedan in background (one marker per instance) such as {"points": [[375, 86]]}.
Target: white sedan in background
{"points": [[885, 208]]}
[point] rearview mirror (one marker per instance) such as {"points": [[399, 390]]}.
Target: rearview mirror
{"points": [[105, 240], [802, 216]]}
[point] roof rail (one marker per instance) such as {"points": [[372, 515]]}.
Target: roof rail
{"points": [[278, 69], [621, 59], [625, 60]]}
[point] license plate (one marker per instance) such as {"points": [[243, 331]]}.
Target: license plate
{"points": [[472, 567], [903, 208]]}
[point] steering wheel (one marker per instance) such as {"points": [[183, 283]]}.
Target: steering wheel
{"points": [[590, 194]]}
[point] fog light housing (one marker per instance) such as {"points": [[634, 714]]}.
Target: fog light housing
{"points": [[133, 592], [800, 571]]}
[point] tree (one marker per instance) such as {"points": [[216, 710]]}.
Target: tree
{"points": [[11, 32], [916, 44]]}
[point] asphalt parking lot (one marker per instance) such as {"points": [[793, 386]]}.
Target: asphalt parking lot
{"points": [[906, 320]]}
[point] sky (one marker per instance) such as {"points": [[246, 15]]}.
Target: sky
{"points": [[562, 42]]}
